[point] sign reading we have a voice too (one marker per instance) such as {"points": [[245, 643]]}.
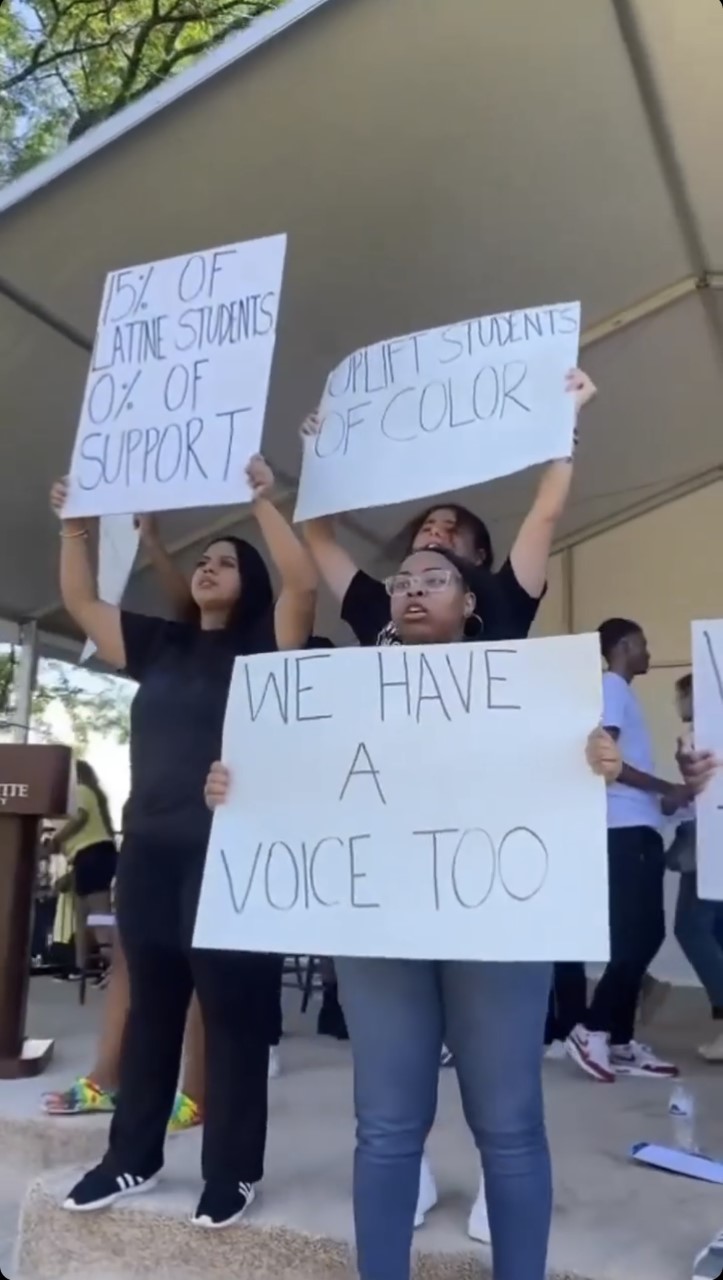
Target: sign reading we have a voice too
{"points": [[439, 410], [437, 805], [176, 392]]}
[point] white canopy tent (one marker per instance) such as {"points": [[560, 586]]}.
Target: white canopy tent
{"points": [[429, 162]]}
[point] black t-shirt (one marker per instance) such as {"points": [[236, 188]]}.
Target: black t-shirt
{"points": [[507, 614], [177, 720]]}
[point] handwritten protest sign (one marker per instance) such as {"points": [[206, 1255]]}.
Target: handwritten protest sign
{"points": [[437, 411], [436, 803], [707, 646], [117, 551], [176, 393]]}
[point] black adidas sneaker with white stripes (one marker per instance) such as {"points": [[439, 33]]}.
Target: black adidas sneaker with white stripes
{"points": [[222, 1204], [100, 1188]]}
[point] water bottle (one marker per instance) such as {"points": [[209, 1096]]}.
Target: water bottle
{"points": [[681, 1110]]}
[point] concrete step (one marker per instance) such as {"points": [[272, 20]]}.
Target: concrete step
{"points": [[151, 1235]]}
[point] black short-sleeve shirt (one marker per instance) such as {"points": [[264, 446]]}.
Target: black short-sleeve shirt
{"points": [[177, 720], [508, 615]]}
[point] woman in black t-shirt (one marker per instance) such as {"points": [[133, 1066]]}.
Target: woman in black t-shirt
{"points": [[184, 670], [520, 582], [398, 1011]]}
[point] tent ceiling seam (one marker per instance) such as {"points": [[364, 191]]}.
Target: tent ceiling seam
{"points": [[663, 142]]}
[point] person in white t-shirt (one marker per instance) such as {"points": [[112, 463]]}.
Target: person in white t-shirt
{"points": [[605, 1046]]}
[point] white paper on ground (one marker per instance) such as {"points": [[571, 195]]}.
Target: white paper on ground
{"points": [[675, 1161]]}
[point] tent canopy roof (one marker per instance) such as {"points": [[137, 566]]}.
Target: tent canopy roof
{"points": [[429, 162]]}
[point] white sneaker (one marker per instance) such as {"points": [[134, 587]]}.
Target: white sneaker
{"points": [[274, 1063], [708, 1264], [556, 1051], [478, 1227], [427, 1193], [636, 1059], [590, 1050], [712, 1052]]}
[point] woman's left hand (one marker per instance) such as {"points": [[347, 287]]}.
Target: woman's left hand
{"points": [[581, 386], [260, 477], [603, 755]]}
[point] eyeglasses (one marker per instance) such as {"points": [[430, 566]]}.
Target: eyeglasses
{"points": [[429, 580]]}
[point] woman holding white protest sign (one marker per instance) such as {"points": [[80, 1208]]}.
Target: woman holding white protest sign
{"points": [[518, 587], [184, 671], [399, 1012], [520, 582]]}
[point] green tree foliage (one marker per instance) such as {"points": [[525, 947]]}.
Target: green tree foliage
{"points": [[65, 65], [97, 705]]}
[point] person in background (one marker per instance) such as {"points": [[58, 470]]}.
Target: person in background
{"points": [[88, 844], [493, 1015], [183, 671], [604, 1044], [567, 1006], [518, 587], [697, 922]]}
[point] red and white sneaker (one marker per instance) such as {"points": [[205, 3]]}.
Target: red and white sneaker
{"points": [[636, 1059], [590, 1050]]}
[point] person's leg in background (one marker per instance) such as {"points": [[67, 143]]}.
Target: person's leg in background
{"points": [[394, 1015], [605, 1045], [188, 1105], [277, 1028], [695, 930], [331, 1020], [80, 904], [95, 1092], [238, 993], [567, 1005], [495, 1019]]}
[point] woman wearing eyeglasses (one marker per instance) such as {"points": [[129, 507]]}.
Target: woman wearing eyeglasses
{"points": [[492, 1016], [517, 588]]}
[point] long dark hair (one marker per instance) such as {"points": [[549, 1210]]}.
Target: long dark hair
{"points": [[465, 520], [257, 594], [87, 777]]}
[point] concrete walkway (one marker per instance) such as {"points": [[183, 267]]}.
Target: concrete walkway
{"points": [[613, 1220]]}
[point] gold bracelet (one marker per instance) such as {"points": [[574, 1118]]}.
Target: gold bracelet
{"points": [[79, 533]]}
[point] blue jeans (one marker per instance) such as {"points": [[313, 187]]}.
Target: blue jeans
{"points": [[697, 928], [492, 1017]]}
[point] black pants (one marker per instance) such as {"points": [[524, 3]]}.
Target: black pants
{"points": [[636, 870], [239, 993], [568, 1000]]}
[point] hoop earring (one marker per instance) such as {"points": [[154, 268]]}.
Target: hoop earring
{"points": [[474, 626]]}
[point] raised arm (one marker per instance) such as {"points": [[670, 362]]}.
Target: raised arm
{"points": [[296, 604], [99, 621], [173, 582], [334, 563], [531, 551]]}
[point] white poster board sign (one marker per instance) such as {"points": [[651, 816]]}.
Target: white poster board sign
{"points": [[117, 550], [441, 410], [176, 393], [707, 638], [426, 802]]}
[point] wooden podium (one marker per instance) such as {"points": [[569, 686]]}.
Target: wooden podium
{"points": [[34, 784]]}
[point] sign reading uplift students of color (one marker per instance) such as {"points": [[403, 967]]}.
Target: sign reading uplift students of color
{"points": [[441, 410], [421, 802], [176, 392], [708, 729]]}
